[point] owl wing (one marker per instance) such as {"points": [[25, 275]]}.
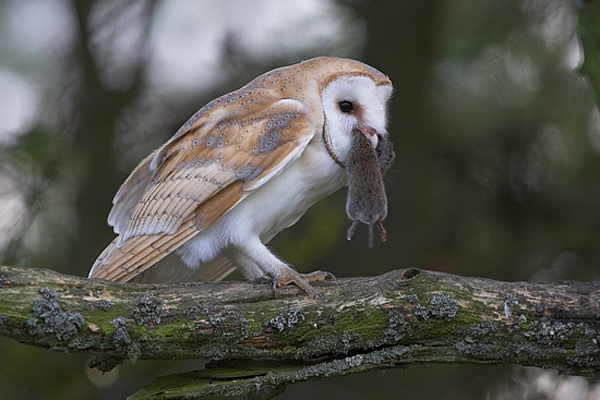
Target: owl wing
{"points": [[218, 157]]}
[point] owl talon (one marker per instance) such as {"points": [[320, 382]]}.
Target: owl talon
{"points": [[303, 281]]}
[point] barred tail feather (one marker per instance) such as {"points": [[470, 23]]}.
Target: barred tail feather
{"points": [[122, 262]]}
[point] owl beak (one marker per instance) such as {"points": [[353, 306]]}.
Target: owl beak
{"points": [[370, 134]]}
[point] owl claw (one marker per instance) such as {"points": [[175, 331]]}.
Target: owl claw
{"points": [[302, 281]]}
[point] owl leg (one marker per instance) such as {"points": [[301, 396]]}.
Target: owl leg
{"points": [[256, 254], [246, 265]]}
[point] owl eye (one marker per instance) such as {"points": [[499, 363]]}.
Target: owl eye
{"points": [[346, 106]]}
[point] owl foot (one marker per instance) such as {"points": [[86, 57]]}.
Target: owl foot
{"points": [[288, 275]]}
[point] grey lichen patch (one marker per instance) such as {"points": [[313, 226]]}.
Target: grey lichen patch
{"points": [[331, 368], [200, 311], [483, 328], [48, 317], [120, 336], [355, 361], [397, 328], [468, 346], [412, 298], [289, 320], [82, 343], [523, 349], [216, 351], [549, 333], [103, 305], [587, 354], [475, 343], [124, 343], [442, 305], [510, 299], [421, 312], [122, 340], [244, 324], [149, 309], [191, 312], [391, 355]]}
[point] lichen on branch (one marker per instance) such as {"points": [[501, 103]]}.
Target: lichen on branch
{"points": [[397, 319]]}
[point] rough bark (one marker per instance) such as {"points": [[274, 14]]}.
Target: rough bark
{"points": [[259, 343]]}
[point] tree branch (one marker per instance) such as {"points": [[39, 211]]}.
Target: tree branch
{"points": [[258, 343]]}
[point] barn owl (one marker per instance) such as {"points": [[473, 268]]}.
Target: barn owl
{"points": [[241, 169]]}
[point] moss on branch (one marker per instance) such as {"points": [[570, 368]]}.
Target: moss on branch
{"points": [[400, 318]]}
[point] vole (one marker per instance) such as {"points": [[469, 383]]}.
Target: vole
{"points": [[366, 201]]}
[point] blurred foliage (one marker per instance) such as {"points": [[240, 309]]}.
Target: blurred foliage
{"points": [[33, 161], [589, 32], [497, 174]]}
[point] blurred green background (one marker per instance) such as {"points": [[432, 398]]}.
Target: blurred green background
{"points": [[497, 136]]}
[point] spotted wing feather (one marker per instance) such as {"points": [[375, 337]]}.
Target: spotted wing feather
{"points": [[197, 176]]}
